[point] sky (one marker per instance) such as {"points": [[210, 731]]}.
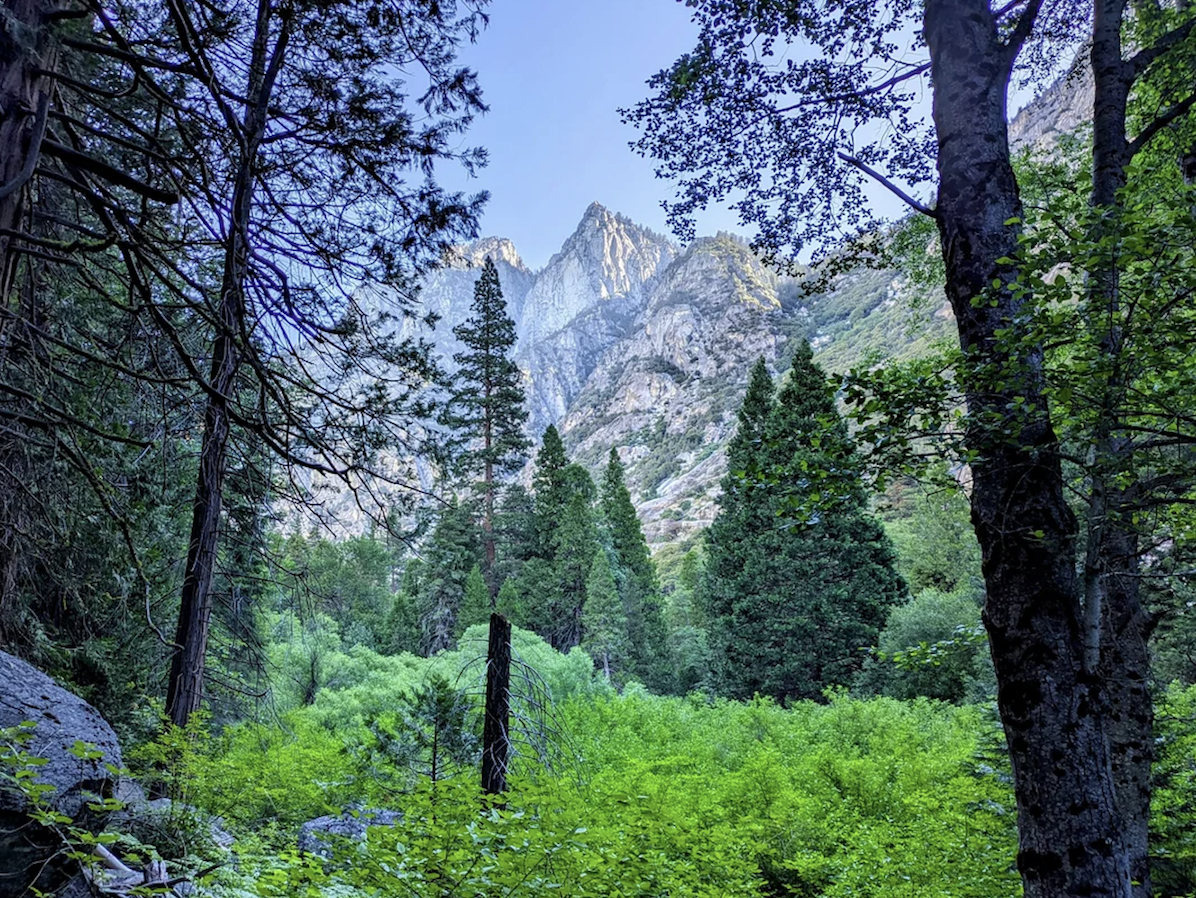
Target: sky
{"points": [[554, 73]]}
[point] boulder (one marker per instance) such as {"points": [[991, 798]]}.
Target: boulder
{"points": [[320, 836], [63, 723]]}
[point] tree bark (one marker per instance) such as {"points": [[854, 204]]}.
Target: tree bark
{"points": [[1112, 601], [1070, 840], [24, 104], [496, 739], [184, 691]]}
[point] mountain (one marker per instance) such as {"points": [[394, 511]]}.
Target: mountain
{"points": [[628, 341]]}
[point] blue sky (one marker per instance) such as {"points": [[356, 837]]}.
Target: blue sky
{"points": [[554, 72]]}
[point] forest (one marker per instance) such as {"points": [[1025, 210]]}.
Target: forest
{"points": [[937, 639]]}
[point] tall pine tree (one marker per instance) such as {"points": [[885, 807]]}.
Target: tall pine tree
{"points": [[650, 658], [799, 577], [604, 620], [485, 410], [550, 489]]}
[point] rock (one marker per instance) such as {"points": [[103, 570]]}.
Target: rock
{"points": [[175, 829], [62, 721], [319, 836]]}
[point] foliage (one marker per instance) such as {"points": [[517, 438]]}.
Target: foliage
{"points": [[475, 604], [604, 619], [450, 554], [537, 842], [648, 649], [933, 646], [799, 578]]}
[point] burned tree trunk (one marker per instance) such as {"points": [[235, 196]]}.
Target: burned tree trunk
{"points": [[496, 741]]}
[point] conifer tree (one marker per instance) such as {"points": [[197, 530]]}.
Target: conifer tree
{"points": [[475, 603], [650, 658], [485, 410], [576, 542], [604, 620], [450, 555], [402, 624], [550, 489], [799, 577]]}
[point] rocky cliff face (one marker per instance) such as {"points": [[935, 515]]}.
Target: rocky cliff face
{"points": [[628, 342]]}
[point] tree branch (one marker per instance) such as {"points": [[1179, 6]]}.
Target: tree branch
{"points": [[1144, 58], [109, 173], [889, 185], [1151, 131]]}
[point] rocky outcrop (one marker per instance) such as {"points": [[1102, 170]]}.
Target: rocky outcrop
{"points": [[666, 396], [1060, 109], [319, 836], [608, 262], [64, 725], [80, 751]]}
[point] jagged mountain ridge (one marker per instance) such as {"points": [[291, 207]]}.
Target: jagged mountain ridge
{"points": [[628, 341]]}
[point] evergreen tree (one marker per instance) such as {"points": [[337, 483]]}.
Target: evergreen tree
{"points": [[550, 489], [450, 555], [475, 603], [650, 658], [575, 540], [485, 409], [604, 620], [514, 532], [402, 623], [799, 577]]}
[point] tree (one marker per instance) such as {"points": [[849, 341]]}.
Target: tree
{"points": [[485, 410], [451, 553], [549, 488], [475, 603], [800, 578], [776, 131], [650, 658], [575, 541], [604, 619]]}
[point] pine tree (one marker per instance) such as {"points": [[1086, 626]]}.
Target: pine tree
{"points": [[576, 541], [475, 603], [485, 410], [604, 620], [402, 623], [799, 578], [650, 658], [450, 554], [550, 489], [514, 532]]}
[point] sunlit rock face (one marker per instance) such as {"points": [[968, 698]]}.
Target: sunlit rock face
{"points": [[607, 262]]}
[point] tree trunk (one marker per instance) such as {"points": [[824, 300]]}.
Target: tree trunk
{"points": [[496, 740], [1113, 605], [24, 105], [1070, 841], [184, 690]]}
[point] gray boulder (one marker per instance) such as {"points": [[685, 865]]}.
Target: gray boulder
{"points": [[319, 836], [61, 720]]}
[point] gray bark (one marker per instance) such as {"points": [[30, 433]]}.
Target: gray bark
{"points": [[1070, 840]]}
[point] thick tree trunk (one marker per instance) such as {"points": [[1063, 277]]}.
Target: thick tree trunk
{"points": [[496, 739], [24, 104], [1112, 603], [185, 688], [1070, 840]]}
